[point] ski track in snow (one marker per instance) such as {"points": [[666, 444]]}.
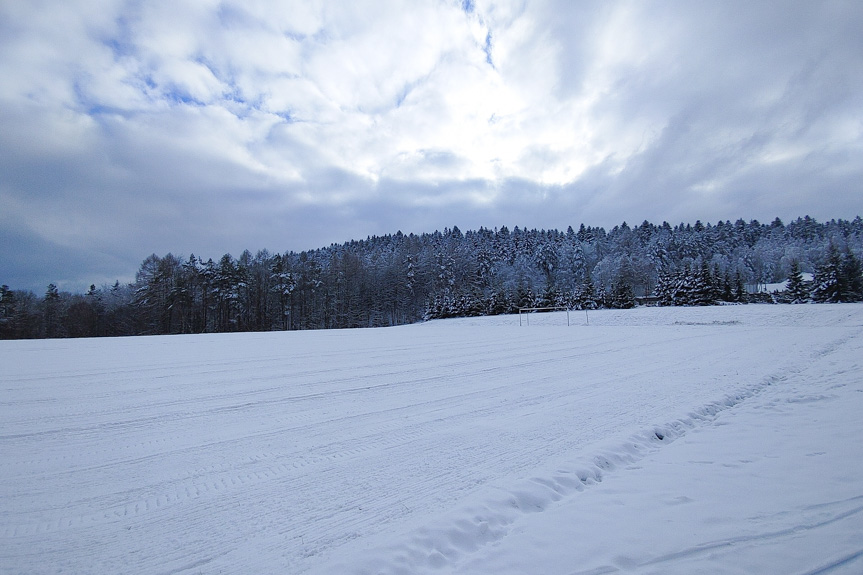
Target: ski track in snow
{"points": [[398, 450]]}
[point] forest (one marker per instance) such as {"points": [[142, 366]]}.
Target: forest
{"points": [[397, 279]]}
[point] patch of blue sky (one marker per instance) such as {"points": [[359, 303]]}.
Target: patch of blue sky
{"points": [[120, 43], [408, 88], [236, 96], [176, 95], [487, 49], [97, 110], [232, 17], [322, 36], [94, 108], [295, 36], [221, 74], [148, 81], [242, 108], [403, 95], [286, 116], [118, 47]]}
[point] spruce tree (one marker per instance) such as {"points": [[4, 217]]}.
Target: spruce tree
{"points": [[7, 312], [703, 290], [740, 295], [665, 287], [686, 288], [727, 294], [853, 276], [622, 296], [716, 279], [829, 282], [587, 297], [524, 296], [551, 296], [797, 290]]}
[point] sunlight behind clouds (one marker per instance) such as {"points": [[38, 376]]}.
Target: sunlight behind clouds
{"points": [[370, 88], [319, 122]]}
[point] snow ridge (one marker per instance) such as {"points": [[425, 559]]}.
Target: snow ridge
{"points": [[834, 565], [448, 541], [707, 547]]}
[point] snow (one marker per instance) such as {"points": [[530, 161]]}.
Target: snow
{"points": [[655, 440], [783, 285]]}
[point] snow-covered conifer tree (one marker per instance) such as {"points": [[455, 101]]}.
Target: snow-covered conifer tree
{"points": [[740, 295], [853, 276], [829, 282], [797, 289]]}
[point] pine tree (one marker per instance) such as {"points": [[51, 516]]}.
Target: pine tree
{"points": [[687, 287], [703, 291], [716, 282], [524, 297], [551, 296], [673, 287], [797, 290], [727, 294], [853, 276], [7, 312], [622, 296], [51, 312], [586, 298], [283, 286], [740, 295], [829, 285], [661, 290]]}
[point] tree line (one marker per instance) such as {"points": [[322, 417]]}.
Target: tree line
{"points": [[397, 278]]}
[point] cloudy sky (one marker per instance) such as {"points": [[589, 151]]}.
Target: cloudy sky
{"points": [[214, 126]]}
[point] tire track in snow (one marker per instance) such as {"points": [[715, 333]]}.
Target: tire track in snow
{"points": [[840, 563], [782, 533], [312, 525], [217, 479], [211, 481], [447, 542], [409, 378]]}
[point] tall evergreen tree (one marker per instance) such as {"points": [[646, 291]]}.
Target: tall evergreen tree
{"points": [[51, 312], [727, 292], [853, 276], [703, 287], [829, 283], [587, 296], [622, 296], [797, 290], [740, 295], [7, 313], [666, 287]]}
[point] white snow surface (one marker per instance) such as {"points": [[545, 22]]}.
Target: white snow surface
{"points": [[783, 285], [655, 440]]}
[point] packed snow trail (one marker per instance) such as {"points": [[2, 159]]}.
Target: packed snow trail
{"points": [[361, 449], [772, 485]]}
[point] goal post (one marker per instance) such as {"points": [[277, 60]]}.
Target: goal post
{"points": [[529, 310]]}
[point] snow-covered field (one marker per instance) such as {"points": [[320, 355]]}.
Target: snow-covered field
{"points": [[655, 440]]}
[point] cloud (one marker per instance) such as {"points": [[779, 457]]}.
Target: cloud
{"points": [[211, 127]]}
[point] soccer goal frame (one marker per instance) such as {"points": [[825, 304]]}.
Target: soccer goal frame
{"points": [[529, 310]]}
